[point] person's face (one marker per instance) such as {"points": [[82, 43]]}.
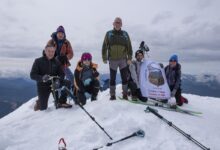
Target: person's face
{"points": [[117, 24], [87, 62], [50, 51], [60, 35], [172, 63], [139, 57]]}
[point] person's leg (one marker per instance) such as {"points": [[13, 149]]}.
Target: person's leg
{"points": [[178, 97], [113, 72], [69, 75], [132, 86], [43, 96], [81, 98], [95, 89], [124, 77]]}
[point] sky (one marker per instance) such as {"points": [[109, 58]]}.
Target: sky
{"points": [[190, 29]]}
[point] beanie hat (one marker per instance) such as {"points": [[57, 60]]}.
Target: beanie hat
{"points": [[86, 56], [139, 52], [61, 29], [174, 58]]}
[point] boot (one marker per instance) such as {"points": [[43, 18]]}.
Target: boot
{"points": [[36, 106], [125, 96], [112, 98]]}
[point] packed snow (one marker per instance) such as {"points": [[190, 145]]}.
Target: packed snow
{"points": [[25, 129]]}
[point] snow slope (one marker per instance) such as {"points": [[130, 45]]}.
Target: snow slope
{"points": [[25, 129]]}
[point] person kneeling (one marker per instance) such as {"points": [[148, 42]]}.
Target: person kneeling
{"points": [[86, 79]]}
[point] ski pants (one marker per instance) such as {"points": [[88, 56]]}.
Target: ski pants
{"points": [[44, 93], [177, 95], [123, 67], [92, 89]]}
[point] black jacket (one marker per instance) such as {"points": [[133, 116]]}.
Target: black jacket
{"points": [[42, 66], [173, 76]]}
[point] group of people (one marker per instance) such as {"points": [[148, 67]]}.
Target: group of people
{"points": [[116, 51]]}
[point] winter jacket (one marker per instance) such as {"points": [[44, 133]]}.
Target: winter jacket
{"points": [[81, 73], [173, 75], [134, 69], [43, 66], [65, 49], [116, 45]]}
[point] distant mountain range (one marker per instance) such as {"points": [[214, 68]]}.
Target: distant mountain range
{"points": [[15, 91]]}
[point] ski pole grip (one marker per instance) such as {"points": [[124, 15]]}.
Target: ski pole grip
{"points": [[154, 112]]}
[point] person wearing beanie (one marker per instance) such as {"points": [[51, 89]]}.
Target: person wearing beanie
{"points": [[42, 69], [86, 79], [173, 75], [117, 50], [134, 74], [63, 51]]}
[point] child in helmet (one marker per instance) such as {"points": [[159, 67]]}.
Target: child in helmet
{"points": [[86, 79]]}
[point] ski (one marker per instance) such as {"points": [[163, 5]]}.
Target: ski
{"points": [[164, 106]]}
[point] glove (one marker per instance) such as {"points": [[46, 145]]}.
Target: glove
{"points": [[105, 61], [45, 78], [173, 93], [96, 74], [87, 82], [63, 59]]}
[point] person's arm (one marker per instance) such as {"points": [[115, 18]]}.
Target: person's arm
{"points": [[134, 77], [34, 74], [178, 77], [70, 53], [129, 51], [105, 46]]}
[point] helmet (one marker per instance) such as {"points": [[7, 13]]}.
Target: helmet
{"points": [[86, 56]]}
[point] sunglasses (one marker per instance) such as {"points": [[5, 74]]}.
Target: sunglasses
{"points": [[87, 59], [172, 60], [117, 22]]}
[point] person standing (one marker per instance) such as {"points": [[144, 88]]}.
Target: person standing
{"points": [[117, 50], [64, 52]]}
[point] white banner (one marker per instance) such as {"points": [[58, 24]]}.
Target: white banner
{"points": [[153, 82]]}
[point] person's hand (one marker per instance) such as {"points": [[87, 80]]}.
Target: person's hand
{"points": [[87, 82], [96, 74], [105, 61], [173, 93], [45, 78], [128, 62]]}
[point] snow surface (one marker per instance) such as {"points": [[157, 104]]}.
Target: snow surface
{"points": [[25, 129]]}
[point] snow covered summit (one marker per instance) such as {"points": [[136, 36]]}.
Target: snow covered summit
{"points": [[25, 129]]}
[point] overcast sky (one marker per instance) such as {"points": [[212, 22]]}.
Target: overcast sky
{"points": [[189, 28]]}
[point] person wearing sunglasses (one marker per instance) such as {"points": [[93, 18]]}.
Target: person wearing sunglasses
{"points": [[86, 79], [117, 50], [173, 75]]}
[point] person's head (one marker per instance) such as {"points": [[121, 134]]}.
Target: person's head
{"points": [[60, 33], [49, 51], [86, 59], [117, 23], [173, 60], [139, 55]]}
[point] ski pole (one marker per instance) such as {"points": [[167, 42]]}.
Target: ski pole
{"points": [[93, 119], [154, 111], [139, 133]]}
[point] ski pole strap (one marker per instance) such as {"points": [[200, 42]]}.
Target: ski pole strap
{"points": [[154, 112], [62, 142]]}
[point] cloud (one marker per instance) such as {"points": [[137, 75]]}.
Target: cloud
{"points": [[161, 17]]}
